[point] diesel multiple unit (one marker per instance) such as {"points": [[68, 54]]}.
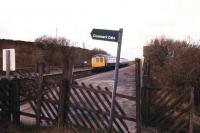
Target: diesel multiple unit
{"points": [[101, 61]]}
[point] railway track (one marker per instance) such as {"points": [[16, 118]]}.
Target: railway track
{"points": [[30, 72], [77, 73], [82, 73]]}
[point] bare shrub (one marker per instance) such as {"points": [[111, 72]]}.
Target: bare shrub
{"points": [[50, 45], [173, 63], [98, 51]]}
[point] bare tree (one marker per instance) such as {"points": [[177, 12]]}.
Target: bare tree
{"points": [[98, 51], [50, 44]]}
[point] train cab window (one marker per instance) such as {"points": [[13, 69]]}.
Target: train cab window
{"points": [[97, 59], [101, 59], [93, 60]]}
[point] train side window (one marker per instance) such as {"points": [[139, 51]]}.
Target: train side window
{"points": [[101, 59], [97, 59]]}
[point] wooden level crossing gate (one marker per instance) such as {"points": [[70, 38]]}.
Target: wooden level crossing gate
{"points": [[51, 101], [9, 108], [92, 108], [84, 106], [5, 100], [40, 99], [169, 109]]}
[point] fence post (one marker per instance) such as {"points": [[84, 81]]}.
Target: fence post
{"points": [[63, 103], [9, 101], [8, 64], [138, 87], [146, 93], [64, 94], [39, 93], [191, 110], [16, 102]]}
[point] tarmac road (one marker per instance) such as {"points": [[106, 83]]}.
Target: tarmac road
{"points": [[126, 81], [126, 86]]}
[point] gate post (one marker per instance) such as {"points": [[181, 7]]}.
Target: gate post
{"points": [[138, 92], [191, 110], [39, 93], [16, 102], [63, 106], [63, 103], [146, 93], [9, 101]]}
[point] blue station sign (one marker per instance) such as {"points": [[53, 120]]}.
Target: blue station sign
{"points": [[105, 35]]}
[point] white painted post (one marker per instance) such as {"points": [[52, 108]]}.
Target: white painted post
{"points": [[8, 61], [7, 64]]}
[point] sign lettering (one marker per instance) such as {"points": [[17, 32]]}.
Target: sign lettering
{"points": [[106, 35]]}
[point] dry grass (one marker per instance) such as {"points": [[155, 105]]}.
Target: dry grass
{"points": [[10, 128]]}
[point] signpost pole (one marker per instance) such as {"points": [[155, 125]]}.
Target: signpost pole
{"points": [[114, 36], [115, 80], [8, 64]]}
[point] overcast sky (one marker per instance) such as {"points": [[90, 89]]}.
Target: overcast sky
{"points": [[141, 21]]}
